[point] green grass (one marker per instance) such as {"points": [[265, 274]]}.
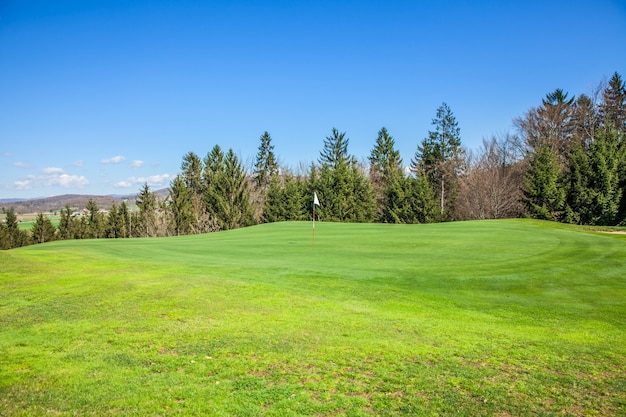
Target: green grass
{"points": [[502, 318]]}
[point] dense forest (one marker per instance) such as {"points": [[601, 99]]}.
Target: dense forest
{"points": [[565, 162]]}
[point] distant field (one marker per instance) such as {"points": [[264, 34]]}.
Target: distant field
{"points": [[28, 220], [493, 318]]}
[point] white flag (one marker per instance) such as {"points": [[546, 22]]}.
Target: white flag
{"points": [[315, 200]]}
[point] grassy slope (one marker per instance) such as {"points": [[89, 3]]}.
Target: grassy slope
{"points": [[473, 318]]}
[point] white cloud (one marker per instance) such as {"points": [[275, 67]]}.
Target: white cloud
{"points": [[69, 181], [21, 164], [78, 164], [50, 177], [22, 185], [115, 160], [152, 180], [123, 184], [136, 164], [52, 170]]}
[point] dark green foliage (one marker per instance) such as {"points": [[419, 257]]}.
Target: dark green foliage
{"points": [[10, 234], [66, 224], [344, 192], [335, 151], [579, 195], [613, 106], [439, 158], [147, 203], [604, 178], [234, 209], [95, 221], [180, 206], [265, 166], [385, 172], [286, 200], [543, 195], [43, 230]]}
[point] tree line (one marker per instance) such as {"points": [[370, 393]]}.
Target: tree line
{"points": [[566, 162]]}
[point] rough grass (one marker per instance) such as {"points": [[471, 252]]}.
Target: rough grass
{"points": [[501, 318]]}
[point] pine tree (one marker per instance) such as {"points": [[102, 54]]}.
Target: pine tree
{"points": [[265, 165], [213, 196], [125, 226], [12, 236], [335, 151], [114, 222], [439, 158], [385, 169], [147, 202], [43, 229], [180, 206], [613, 106], [604, 166], [95, 220], [66, 224], [235, 209], [579, 195], [543, 196]]}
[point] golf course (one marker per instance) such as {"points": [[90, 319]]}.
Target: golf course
{"points": [[479, 318]]}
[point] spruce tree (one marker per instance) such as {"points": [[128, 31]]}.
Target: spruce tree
{"points": [[265, 165], [235, 209], [385, 169], [43, 229], [613, 106], [604, 167], [439, 157], [180, 206], [147, 202], [543, 195]]}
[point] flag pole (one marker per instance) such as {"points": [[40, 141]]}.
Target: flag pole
{"points": [[313, 230], [315, 203]]}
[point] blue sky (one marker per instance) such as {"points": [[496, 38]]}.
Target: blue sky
{"points": [[98, 97]]}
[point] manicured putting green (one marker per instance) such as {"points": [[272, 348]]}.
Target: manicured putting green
{"points": [[506, 318]]}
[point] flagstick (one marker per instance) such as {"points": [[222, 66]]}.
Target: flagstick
{"points": [[313, 231]]}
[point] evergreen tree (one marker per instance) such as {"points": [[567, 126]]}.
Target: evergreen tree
{"points": [[385, 170], [274, 205], [213, 196], [234, 209], [147, 203], [285, 200], [604, 166], [439, 158], [12, 236], [543, 196], [613, 106], [95, 220], [192, 176], [335, 151], [43, 229], [361, 202], [422, 202], [180, 207], [66, 224], [552, 125], [265, 165], [114, 222], [125, 220], [334, 185], [579, 195]]}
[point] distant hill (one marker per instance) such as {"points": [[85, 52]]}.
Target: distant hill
{"points": [[77, 201]]}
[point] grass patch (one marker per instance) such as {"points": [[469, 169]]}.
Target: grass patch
{"points": [[511, 317]]}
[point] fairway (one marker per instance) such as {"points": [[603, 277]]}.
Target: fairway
{"points": [[502, 318]]}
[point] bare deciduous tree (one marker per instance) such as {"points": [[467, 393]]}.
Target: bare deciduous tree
{"points": [[491, 187]]}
